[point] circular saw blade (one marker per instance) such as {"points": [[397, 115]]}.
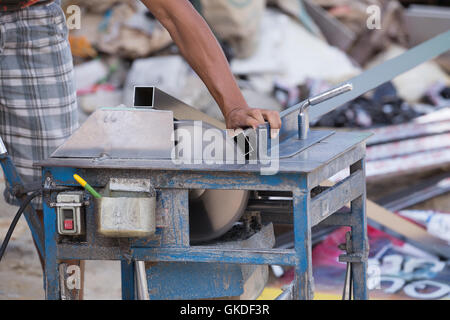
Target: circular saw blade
{"points": [[211, 212], [214, 212]]}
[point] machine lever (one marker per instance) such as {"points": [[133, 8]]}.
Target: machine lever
{"points": [[303, 117]]}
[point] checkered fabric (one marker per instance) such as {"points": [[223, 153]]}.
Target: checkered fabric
{"points": [[38, 109]]}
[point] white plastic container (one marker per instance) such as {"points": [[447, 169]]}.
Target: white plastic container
{"points": [[126, 216], [127, 209]]}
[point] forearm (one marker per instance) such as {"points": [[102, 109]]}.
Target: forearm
{"points": [[201, 50]]}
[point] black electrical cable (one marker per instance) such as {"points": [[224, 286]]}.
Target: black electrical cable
{"points": [[22, 208]]}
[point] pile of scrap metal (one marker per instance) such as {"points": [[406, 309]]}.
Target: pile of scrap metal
{"points": [[365, 28]]}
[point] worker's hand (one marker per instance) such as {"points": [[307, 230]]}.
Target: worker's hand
{"points": [[245, 117]]}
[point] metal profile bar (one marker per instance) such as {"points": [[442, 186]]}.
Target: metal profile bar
{"points": [[165, 179], [408, 147], [331, 200], [182, 111], [407, 131], [406, 164], [192, 254], [387, 71], [238, 256], [421, 192], [370, 80], [141, 281], [338, 219]]}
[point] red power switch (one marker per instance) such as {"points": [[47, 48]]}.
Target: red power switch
{"points": [[68, 224]]}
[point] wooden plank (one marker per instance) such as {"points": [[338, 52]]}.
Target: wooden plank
{"points": [[397, 226], [406, 230]]}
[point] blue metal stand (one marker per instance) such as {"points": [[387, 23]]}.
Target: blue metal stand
{"points": [[170, 244]]}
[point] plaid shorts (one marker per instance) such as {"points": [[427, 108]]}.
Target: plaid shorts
{"points": [[38, 108]]}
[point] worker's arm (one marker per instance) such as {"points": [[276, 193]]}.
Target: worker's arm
{"points": [[202, 51]]}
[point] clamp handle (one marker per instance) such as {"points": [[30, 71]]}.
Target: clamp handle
{"points": [[303, 118]]}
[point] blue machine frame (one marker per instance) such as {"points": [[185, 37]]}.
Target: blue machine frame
{"points": [[298, 175]]}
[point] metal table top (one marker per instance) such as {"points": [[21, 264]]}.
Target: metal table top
{"points": [[306, 161]]}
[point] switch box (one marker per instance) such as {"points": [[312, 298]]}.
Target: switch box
{"points": [[70, 215]]}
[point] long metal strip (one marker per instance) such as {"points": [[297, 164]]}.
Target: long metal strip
{"points": [[370, 80], [282, 257]]}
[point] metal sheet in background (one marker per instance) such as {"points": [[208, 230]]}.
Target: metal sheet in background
{"points": [[418, 193], [370, 80]]}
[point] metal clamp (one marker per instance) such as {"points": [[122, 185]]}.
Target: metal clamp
{"points": [[303, 117]]}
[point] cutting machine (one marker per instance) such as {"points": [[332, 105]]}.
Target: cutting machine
{"points": [[189, 209]]}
